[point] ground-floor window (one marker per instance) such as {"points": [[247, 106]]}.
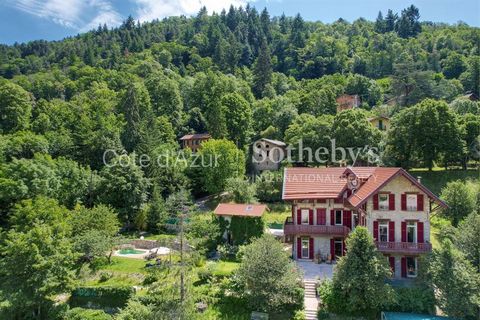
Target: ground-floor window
{"points": [[411, 267], [305, 248], [338, 248]]}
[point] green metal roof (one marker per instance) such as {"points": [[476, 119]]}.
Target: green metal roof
{"points": [[410, 316]]}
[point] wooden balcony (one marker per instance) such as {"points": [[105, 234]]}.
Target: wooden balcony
{"points": [[305, 229], [403, 247]]}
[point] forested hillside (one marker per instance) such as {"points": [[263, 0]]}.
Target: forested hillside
{"points": [[80, 117], [239, 75]]}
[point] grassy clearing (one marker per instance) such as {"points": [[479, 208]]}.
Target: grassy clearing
{"points": [[117, 279], [225, 268], [277, 215], [160, 237], [438, 178], [125, 265]]}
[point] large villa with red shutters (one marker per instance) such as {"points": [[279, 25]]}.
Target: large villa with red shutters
{"points": [[328, 203]]}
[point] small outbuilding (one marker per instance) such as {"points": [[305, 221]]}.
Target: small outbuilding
{"points": [[241, 222], [194, 141]]}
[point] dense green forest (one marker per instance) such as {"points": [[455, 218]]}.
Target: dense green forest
{"points": [[239, 75]]}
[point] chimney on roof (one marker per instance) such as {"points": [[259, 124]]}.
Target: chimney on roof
{"points": [[419, 179]]}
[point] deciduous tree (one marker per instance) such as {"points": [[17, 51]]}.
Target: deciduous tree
{"points": [[267, 277]]}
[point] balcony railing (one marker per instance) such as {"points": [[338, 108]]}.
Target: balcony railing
{"points": [[403, 247], [306, 229]]}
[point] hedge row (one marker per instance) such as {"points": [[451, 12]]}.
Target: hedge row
{"points": [[101, 297]]}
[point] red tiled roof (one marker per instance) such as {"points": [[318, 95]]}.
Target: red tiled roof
{"points": [[313, 183], [235, 209], [196, 136], [329, 183], [377, 179]]}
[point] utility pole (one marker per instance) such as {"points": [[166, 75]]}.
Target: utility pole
{"points": [[182, 285], [184, 211]]}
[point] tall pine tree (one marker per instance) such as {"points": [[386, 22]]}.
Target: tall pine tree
{"points": [[262, 70]]}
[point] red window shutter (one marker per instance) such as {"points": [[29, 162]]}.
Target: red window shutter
{"points": [[419, 202], [347, 218], [404, 231], [404, 267], [375, 230], [391, 201], [310, 248], [375, 201], [391, 260], [391, 231], [420, 237], [299, 248], [344, 249], [332, 248], [321, 216], [404, 202], [299, 216], [310, 217], [332, 217]]}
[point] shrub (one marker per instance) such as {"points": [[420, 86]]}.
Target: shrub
{"points": [[299, 315], [105, 276], [86, 314], [228, 251], [106, 296], [153, 275], [206, 273], [413, 300]]}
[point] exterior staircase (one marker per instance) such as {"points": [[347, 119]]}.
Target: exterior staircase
{"points": [[311, 300]]}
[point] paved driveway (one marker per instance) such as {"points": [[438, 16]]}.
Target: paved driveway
{"points": [[314, 271]]}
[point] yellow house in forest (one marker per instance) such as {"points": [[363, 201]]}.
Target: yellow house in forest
{"points": [[380, 122]]}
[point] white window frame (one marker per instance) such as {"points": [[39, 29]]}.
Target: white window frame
{"points": [[341, 217], [305, 246], [385, 204], [305, 212], [412, 225], [411, 201], [413, 275], [381, 225]]}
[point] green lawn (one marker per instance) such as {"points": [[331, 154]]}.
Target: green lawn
{"points": [[125, 265], [275, 218], [225, 268], [438, 178]]}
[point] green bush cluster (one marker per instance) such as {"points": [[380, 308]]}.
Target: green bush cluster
{"points": [[414, 300], [86, 314], [105, 296]]}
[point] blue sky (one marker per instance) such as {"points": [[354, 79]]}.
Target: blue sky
{"points": [[24, 20]]}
